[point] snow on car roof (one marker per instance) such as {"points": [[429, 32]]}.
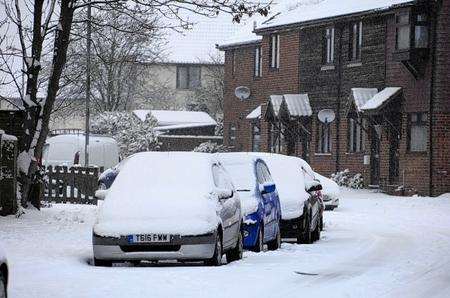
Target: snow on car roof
{"points": [[312, 10], [168, 117], [156, 189]]}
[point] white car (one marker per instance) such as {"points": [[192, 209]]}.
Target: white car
{"points": [[330, 192], [3, 275], [169, 206]]}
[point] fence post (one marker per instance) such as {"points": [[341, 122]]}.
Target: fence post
{"points": [[8, 174]]}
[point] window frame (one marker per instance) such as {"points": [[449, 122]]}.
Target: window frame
{"points": [[329, 46], [274, 54], [355, 41], [420, 122], [256, 124], [324, 130], [257, 66], [412, 25], [356, 135], [232, 135], [188, 77]]}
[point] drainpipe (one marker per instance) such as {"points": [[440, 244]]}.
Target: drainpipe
{"points": [[338, 114], [431, 110]]}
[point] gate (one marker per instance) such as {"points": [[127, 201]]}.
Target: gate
{"points": [[75, 185]]}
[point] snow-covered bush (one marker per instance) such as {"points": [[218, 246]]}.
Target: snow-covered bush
{"points": [[344, 178], [210, 147], [132, 134]]}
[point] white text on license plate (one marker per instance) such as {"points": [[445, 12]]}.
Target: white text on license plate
{"points": [[150, 238]]}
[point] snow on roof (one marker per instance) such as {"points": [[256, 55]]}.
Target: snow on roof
{"points": [[181, 126], [312, 10], [244, 35], [298, 104], [198, 44], [166, 117], [276, 101], [382, 97], [255, 114], [362, 95]]}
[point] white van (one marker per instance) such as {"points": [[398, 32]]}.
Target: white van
{"points": [[68, 150]]}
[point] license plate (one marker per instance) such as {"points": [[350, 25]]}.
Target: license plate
{"points": [[149, 238]]}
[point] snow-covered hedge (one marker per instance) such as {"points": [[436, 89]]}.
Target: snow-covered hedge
{"points": [[210, 147], [131, 133], [344, 178]]}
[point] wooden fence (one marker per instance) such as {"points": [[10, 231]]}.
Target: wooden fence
{"points": [[75, 185], [8, 174]]}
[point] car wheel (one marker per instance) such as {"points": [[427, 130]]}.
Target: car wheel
{"points": [[259, 246], [236, 253], [305, 236], [276, 243], [216, 259], [102, 263], [316, 232], [2, 286], [102, 186]]}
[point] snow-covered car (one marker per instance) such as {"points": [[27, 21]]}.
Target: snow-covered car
{"points": [[106, 179], [69, 150], [299, 197], [259, 200], [169, 206], [330, 192], [3, 275]]}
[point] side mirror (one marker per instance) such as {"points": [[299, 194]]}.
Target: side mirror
{"points": [[223, 193], [313, 185], [101, 194], [267, 187]]}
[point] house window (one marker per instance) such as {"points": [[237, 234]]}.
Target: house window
{"points": [[258, 62], [324, 138], [232, 135], [188, 77], [356, 135], [355, 41], [417, 132], [275, 51], [421, 31], [256, 137], [329, 46], [403, 31]]}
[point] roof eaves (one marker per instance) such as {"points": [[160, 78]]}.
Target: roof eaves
{"points": [[322, 21], [243, 44]]}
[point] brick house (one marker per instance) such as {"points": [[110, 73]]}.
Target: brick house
{"points": [[381, 67]]}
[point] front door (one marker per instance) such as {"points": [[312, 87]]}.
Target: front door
{"points": [[394, 143], [375, 134]]}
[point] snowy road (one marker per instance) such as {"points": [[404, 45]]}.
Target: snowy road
{"points": [[373, 246]]}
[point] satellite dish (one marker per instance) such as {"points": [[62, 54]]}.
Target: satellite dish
{"points": [[242, 92], [326, 116]]}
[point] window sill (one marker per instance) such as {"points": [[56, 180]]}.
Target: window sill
{"points": [[322, 154], [354, 64], [417, 153], [257, 78], [274, 69], [355, 153], [327, 67]]}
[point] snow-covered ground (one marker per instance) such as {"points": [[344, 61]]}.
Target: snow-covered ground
{"points": [[373, 246]]}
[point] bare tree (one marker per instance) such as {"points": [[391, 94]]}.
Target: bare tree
{"points": [[45, 26]]}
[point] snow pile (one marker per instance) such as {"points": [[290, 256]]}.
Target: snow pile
{"points": [[241, 168], [289, 180], [161, 192], [344, 178], [210, 147]]}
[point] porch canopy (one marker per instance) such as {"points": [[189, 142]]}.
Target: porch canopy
{"points": [[255, 114], [289, 106], [362, 95], [381, 100]]}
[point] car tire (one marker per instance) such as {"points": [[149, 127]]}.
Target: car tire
{"points": [[3, 293], [102, 263], [216, 259], [305, 236], [236, 253], [316, 232], [259, 246], [276, 243]]}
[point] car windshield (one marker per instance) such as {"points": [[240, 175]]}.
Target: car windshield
{"points": [[243, 175]]}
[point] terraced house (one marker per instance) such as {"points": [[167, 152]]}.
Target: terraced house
{"points": [[353, 84]]}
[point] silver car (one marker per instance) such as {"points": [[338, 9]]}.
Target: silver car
{"points": [[3, 275], [169, 206]]}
